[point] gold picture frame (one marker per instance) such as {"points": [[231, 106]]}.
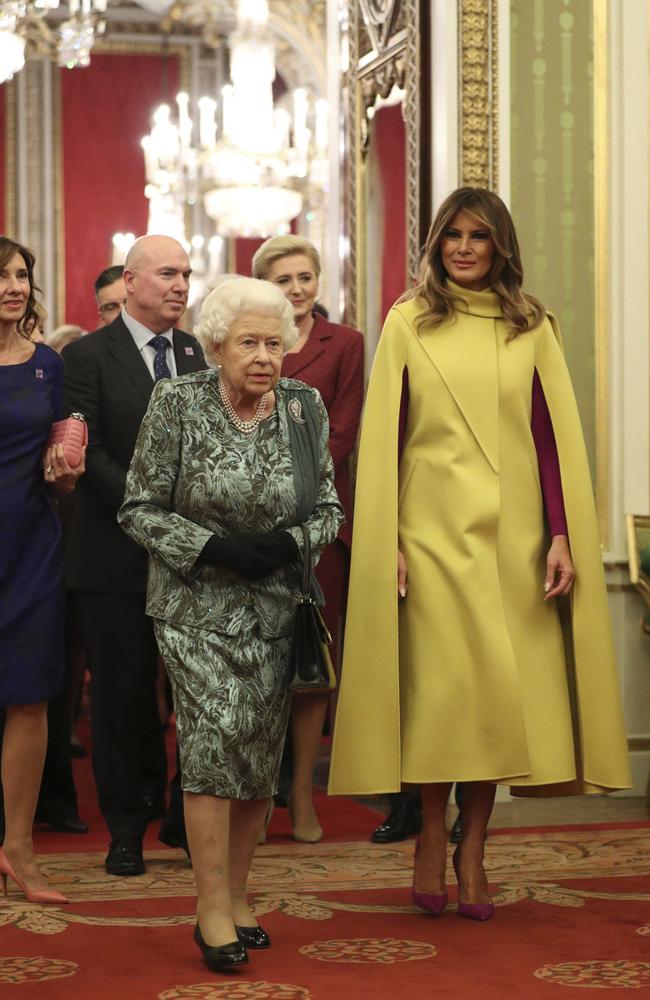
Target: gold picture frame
{"points": [[638, 550], [386, 48]]}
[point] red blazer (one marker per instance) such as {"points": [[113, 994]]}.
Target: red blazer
{"points": [[332, 362]]}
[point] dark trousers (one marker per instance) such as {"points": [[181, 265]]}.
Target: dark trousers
{"points": [[129, 761], [57, 798], [411, 797]]}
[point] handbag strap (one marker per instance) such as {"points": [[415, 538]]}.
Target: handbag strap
{"points": [[307, 568]]}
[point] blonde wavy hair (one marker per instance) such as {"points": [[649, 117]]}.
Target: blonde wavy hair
{"points": [[521, 312], [283, 246]]}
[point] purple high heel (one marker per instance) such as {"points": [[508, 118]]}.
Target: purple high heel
{"points": [[427, 901], [473, 911]]}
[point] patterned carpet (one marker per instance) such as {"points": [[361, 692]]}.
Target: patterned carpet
{"points": [[573, 912]]}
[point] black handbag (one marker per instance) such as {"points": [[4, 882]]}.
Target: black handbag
{"points": [[310, 665]]}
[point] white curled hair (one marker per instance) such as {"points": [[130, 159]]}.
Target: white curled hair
{"points": [[232, 298]]}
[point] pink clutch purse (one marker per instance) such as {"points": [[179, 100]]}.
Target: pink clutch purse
{"points": [[72, 433]]}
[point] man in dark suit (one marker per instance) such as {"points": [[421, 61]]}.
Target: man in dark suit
{"points": [[109, 377]]}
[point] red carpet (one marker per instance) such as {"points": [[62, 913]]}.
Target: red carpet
{"points": [[573, 912], [341, 819]]}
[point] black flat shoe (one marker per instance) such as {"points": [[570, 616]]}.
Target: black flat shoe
{"points": [[402, 821], [253, 937], [70, 824], [124, 858], [221, 958]]}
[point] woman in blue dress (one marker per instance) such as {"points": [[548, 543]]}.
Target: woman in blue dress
{"points": [[31, 567]]}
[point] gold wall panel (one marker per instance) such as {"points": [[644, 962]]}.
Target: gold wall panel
{"points": [[9, 89], [553, 193], [478, 119]]}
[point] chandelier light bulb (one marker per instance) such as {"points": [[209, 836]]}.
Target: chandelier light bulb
{"points": [[207, 121], [12, 55], [253, 12], [71, 40]]}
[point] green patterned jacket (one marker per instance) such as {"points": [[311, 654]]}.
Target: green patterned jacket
{"points": [[193, 475]]}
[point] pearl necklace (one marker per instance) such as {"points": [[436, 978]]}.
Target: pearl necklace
{"points": [[245, 426]]}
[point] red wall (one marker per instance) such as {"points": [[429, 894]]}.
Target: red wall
{"points": [[105, 110], [390, 138], [245, 249]]}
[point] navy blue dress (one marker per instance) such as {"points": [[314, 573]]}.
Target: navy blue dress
{"points": [[31, 561]]}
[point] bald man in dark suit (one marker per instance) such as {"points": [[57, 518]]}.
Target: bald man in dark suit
{"points": [[109, 377]]}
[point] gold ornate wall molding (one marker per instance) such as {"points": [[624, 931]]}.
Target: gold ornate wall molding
{"points": [[601, 266], [385, 49], [478, 109], [10, 157]]}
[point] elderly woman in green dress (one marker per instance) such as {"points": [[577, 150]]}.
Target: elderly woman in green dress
{"points": [[228, 464]]}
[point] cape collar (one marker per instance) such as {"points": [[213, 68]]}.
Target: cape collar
{"points": [[484, 304], [447, 345]]}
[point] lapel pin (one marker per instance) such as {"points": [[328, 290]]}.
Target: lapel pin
{"points": [[38, 373], [189, 351], [295, 410]]}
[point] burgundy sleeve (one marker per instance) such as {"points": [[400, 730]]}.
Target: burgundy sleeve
{"points": [[345, 411], [403, 413], [547, 459]]}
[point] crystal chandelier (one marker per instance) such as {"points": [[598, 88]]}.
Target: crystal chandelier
{"points": [[23, 28], [252, 178]]}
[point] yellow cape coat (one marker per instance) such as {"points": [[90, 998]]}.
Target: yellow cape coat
{"points": [[471, 676]]}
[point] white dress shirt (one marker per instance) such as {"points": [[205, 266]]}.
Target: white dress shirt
{"points": [[142, 336]]}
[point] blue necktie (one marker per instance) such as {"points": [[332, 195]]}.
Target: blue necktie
{"points": [[160, 366]]}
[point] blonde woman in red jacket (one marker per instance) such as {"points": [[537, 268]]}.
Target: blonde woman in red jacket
{"points": [[328, 357]]}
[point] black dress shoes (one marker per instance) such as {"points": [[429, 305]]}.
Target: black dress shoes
{"points": [[173, 836], [253, 937], [223, 958], [124, 857], [62, 824], [456, 832], [402, 821]]}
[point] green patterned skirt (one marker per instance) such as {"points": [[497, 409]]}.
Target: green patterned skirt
{"points": [[232, 708]]}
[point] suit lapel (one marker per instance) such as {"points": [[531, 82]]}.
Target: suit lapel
{"points": [[122, 347], [315, 346], [465, 356]]}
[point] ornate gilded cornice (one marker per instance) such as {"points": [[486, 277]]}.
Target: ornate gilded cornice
{"points": [[478, 125]]}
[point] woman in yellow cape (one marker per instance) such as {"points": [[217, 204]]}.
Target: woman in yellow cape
{"points": [[457, 666]]}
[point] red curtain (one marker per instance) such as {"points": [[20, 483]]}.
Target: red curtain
{"points": [[106, 109], [245, 249], [390, 139], [3, 154]]}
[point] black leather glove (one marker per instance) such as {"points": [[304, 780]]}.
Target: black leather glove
{"points": [[252, 555], [280, 546]]}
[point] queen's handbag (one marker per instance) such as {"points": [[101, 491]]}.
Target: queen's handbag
{"points": [[310, 665]]}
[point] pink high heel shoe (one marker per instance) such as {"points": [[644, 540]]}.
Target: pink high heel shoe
{"points": [[32, 895], [429, 901], [473, 911]]}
